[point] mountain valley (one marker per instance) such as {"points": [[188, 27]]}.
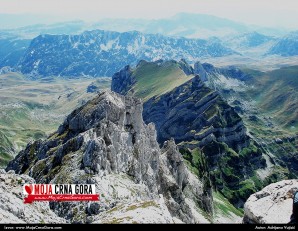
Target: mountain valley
{"points": [[33, 109]]}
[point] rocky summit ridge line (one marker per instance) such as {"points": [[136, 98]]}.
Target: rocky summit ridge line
{"points": [[106, 142]]}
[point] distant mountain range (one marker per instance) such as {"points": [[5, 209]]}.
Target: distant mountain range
{"points": [[64, 49], [287, 46], [102, 53], [248, 40], [11, 49]]}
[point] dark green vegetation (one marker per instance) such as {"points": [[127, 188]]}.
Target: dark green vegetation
{"points": [[277, 99], [231, 173], [267, 103], [30, 110], [5, 149]]}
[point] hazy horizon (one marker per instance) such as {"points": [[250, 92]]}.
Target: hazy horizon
{"points": [[273, 13]]}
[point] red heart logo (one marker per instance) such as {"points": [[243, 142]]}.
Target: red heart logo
{"points": [[28, 189]]}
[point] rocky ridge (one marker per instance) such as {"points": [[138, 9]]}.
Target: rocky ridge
{"points": [[106, 142], [203, 125]]}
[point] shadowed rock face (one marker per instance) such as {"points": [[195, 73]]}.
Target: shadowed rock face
{"points": [[192, 111], [104, 141], [273, 204], [197, 117], [123, 80]]}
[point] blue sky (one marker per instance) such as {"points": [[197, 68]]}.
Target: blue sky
{"points": [[274, 13]]}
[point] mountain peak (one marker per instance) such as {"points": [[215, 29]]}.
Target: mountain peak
{"points": [[106, 142]]}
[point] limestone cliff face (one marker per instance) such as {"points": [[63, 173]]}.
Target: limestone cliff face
{"points": [[104, 141], [191, 112], [273, 204]]}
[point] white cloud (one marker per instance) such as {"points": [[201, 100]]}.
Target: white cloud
{"points": [[262, 12]]}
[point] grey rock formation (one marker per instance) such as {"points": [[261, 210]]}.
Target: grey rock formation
{"points": [[12, 207], [273, 204], [106, 138], [199, 70], [183, 114]]}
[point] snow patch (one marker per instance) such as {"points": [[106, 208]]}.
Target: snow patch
{"points": [[109, 45], [36, 63]]}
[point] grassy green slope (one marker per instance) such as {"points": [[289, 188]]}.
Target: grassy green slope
{"points": [[154, 79], [276, 95], [272, 118], [5, 149], [224, 211]]}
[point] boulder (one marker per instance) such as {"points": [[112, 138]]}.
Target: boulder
{"points": [[273, 204]]}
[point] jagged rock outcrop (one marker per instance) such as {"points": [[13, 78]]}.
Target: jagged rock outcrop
{"points": [[273, 204], [199, 70], [106, 142], [192, 102], [12, 207], [187, 69]]}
